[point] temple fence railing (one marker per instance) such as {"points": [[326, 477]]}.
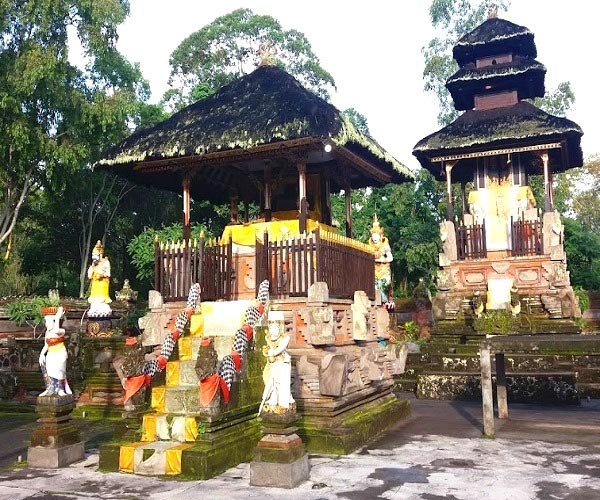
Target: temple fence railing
{"points": [[526, 237], [293, 264], [180, 264], [470, 241]]}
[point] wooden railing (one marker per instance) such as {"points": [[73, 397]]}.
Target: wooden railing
{"points": [[526, 237], [179, 265], [470, 242], [292, 265]]}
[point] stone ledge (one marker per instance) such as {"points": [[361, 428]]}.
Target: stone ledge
{"points": [[279, 475], [354, 428], [53, 458]]}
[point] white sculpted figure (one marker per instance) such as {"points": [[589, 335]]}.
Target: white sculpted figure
{"points": [[277, 375], [53, 358]]}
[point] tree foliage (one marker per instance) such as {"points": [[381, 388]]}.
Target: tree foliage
{"points": [[228, 48], [358, 120], [409, 214], [452, 19], [56, 116]]}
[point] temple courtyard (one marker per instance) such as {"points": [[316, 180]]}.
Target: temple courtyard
{"points": [[541, 452]]}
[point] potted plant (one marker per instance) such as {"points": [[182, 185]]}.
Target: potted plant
{"points": [[24, 311]]}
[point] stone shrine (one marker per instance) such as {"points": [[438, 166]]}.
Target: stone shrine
{"points": [[503, 253]]}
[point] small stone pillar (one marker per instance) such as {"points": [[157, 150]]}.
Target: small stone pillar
{"points": [[280, 460], [55, 441]]}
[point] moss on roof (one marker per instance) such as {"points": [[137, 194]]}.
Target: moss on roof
{"points": [[515, 125], [518, 67], [265, 106], [494, 36]]}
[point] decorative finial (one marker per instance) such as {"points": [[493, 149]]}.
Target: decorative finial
{"points": [[267, 54], [98, 249], [376, 227], [493, 11]]}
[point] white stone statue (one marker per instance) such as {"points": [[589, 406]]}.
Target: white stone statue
{"points": [[277, 375], [53, 358]]}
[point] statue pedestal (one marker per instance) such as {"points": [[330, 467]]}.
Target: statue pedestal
{"points": [[280, 459], [100, 326], [55, 441]]}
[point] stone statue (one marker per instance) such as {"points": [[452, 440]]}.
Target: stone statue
{"points": [[267, 54], [383, 257], [277, 396], [126, 294], [53, 358], [515, 301], [99, 274], [479, 300]]}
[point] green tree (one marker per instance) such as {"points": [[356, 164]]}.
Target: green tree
{"points": [[557, 102], [228, 48], [56, 117], [585, 185], [409, 215], [583, 250], [358, 120]]}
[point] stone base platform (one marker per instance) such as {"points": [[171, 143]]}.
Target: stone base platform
{"points": [[53, 458], [55, 441], [208, 456], [286, 475], [352, 429], [280, 460]]}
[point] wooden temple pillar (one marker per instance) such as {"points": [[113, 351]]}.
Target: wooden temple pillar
{"points": [[450, 207], [246, 210], [268, 180], [548, 191], [463, 197], [303, 208], [348, 195], [325, 187], [187, 229], [233, 208]]}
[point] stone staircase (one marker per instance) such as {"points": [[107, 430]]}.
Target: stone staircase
{"points": [[179, 436], [446, 370]]}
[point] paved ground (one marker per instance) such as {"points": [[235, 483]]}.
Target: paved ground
{"points": [[541, 453]]}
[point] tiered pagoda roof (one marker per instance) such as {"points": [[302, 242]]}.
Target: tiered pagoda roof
{"points": [[498, 69], [505, 127], [522, 73], [494, 36]]}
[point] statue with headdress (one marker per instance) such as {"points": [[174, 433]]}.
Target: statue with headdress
{"points": [[277, 396], [53, 358], [99, 275], [383, 257]]}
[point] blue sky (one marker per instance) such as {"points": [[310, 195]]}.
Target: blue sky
{"points": [[373, 51]]}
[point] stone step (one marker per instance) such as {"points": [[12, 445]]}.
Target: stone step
{"points": [[165, 427], [589, 390], [181, 374], [588, 375], [178, 400], [559, 388], [157, 458], [405, 384], [508, 373]]}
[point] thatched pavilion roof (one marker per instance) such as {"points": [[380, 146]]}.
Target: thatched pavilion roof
{"points": [[494, 36], [522, 73], [522, 124], [258, 117]]}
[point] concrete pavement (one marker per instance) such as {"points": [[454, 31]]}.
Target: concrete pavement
{"points": [[540, 453]]}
